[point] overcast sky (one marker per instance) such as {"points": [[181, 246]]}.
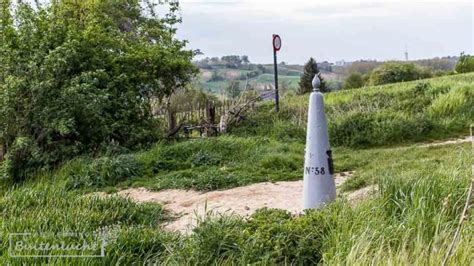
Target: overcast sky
{"points": [[328, 30]]}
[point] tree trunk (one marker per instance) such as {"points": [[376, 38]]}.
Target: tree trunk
{"points": [[171, 116], [171, 120]]}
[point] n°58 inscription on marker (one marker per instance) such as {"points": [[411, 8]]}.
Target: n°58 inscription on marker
{"points": [[315, 170]]}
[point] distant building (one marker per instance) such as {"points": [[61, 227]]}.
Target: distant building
{"points": [[326, 66], [340, 63]]}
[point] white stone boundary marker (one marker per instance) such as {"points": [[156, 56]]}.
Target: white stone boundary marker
{"points": [[319, 187]]}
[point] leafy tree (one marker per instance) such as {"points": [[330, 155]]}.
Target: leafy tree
{"points": [[437, 64], [78, 75], [245, 59], [310, 70], [465, 63], [232, 61], [397, 72], [353, 81], [363, 66]]}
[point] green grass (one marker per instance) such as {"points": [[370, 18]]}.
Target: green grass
{"points": [[411, 219], [226, 162], [406, 112], [202, 164], [43, 206], [270, 79]]}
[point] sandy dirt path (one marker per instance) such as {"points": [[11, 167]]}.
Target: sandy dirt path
{"points": [[191, 205]]}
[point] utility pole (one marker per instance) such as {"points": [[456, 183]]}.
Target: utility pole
{"points": [[406, 53], [276, 47]]}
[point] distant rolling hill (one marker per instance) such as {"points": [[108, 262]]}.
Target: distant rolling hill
{"points": [[217, 75], [216, 79]]}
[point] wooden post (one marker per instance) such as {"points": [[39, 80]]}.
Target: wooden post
{"points": [[2, 151], [211, 113], [210, 119]]}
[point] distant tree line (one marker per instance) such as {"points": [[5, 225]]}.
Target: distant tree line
{"points": [[365, 73], [228, 61]]}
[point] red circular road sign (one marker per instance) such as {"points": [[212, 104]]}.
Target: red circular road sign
{"points": [[276, 42]]}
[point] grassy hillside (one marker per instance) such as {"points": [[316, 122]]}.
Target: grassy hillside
{"points": [[229, 69], [382, 115], [411, 219]]}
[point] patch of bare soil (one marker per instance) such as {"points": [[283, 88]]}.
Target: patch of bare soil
{"points": [[447, 142], [190, 205]]}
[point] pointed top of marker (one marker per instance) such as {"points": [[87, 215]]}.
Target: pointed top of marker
{"points": [[316, 82]]}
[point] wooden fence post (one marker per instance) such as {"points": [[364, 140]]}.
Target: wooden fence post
{"points": [[2, 151], [211, 113]]}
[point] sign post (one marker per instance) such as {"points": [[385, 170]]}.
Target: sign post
{"points": [[276, 48]]}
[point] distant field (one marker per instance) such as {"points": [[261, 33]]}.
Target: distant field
{"points": [[258, 82], [289, 76], [291, 81]]}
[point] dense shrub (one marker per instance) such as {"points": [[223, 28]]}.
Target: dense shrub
{"points": [[78, 75], [353, 81], [465, 63], [397, 72]]}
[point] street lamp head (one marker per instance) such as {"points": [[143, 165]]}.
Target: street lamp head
{"points": [[316, 82]]}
